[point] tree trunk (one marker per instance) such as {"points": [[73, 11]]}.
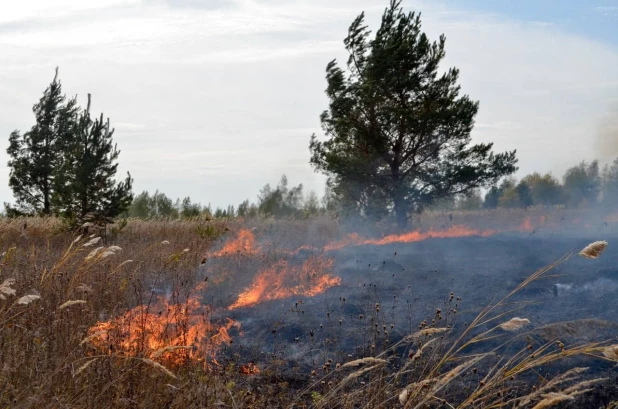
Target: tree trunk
{"points": [[401, 212], [399, 199], [46, 202]]}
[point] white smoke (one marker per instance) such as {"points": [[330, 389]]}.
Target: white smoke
{"points": [[598, 286], [607, 141]]}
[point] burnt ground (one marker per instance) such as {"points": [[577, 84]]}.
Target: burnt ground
{"points": [[402, 284]]}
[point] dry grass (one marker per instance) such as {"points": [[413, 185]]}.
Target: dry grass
{"points": [[55, 286]]}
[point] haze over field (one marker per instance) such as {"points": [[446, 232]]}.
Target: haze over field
{"points": [[213, 99]]}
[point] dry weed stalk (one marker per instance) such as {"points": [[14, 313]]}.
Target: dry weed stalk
{"points": [[568, 394], [447, 378], [357, 374], [83, 367], [362, 361], [611, 352], [427, 332], [170, 348], [69, 303], [158, 366], [552, 399]]}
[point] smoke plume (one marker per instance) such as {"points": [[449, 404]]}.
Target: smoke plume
{"points": [[607, 142]]}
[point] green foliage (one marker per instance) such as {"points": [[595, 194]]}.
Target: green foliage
{"points": [[220, 213], [470, 201], [140, 206], [156, 206], [162, 206], [117, 228], [492, 198], [243, 209], [510, 194], [524, 193], [311, 207], [610, 184], [36, 156], [65, 165], [582, 184], [510, 199], [188, 209], [316, 397], [208, 231], [545, 190], [443, 204], [398, 132], [86, 181], [281, 201]]}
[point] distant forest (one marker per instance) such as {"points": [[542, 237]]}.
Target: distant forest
{"points": [[582, 186]]}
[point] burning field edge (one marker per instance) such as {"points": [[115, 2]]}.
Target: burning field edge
{"points": [[161, 315]]}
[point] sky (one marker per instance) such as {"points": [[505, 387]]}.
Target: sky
{"points": [[214, 98]]}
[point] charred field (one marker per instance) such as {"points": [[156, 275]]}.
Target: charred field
{"points": [[311, 313]]}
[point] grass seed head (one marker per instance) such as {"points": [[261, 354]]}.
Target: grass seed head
{"points": [[593, 250], [514, 324]]}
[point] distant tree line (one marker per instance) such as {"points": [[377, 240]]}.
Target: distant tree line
{"points": [[583, 185], [279, 202]]}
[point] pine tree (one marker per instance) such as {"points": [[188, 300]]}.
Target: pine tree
{"points": [[88, 181], [398, 130], [35, 157]]}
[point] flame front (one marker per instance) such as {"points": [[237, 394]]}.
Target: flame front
{"points": [[177, 332], [283, 280], [411, 237], [172, 332], [244, 243]]}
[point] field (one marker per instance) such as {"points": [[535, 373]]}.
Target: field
{"points": [[473, 309]]}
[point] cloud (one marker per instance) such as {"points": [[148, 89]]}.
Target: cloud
{"points": [[196, 4], [606, 8], [128, 126], [214, 102], [498, 126]]}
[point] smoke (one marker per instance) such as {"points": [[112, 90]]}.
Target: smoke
{"points": [[607, 142], [598, 287]]}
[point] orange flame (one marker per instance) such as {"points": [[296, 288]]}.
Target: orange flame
{"points": [[249, 369], [526, 226], [612, 218], [283, 280], [410, 237], [243, 244], [173, 332]]}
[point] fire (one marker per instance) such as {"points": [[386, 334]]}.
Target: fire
{"points": [[243, 244], [410, 237], [172, 332], [249, 369], [283, 280], [526, 226], [612, 218]]}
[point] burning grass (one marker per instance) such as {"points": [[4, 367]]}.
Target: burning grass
{"points": [[152, 316]]}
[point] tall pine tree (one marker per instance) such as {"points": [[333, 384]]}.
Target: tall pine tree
{"points": [[89, 168], [398, 130], [35, 157]]}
